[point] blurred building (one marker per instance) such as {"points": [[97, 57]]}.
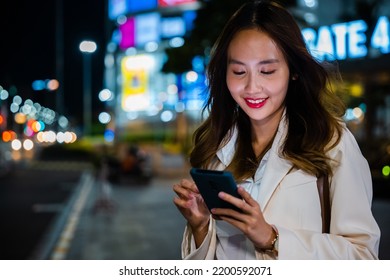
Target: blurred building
{"points": [[144, 98], [354, 35]]}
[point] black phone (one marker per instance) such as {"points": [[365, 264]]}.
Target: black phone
{"points": [[211, 182]]}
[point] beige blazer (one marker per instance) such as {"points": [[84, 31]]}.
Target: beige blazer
{"points": [[290, 201]]}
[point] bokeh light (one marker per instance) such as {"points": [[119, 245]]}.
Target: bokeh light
{"points": [[28, 144], [386, 170], [16, 144]]}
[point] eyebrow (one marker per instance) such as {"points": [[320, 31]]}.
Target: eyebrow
{"points": [[262, 62]]}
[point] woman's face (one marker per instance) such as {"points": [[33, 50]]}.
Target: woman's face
{"points": [[257, 76]]}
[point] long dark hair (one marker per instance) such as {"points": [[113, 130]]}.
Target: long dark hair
{"points": [[312, 109]]}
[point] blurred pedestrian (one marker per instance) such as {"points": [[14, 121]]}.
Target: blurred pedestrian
{"points": [[276, 124], [104, 201]]}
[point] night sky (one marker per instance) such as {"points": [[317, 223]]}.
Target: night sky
{"points": [[28, 49]]}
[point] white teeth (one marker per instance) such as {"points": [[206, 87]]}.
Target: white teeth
{"points": [[257, 101]]}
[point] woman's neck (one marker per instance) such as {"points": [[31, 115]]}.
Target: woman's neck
{"points": [[264, 132]]}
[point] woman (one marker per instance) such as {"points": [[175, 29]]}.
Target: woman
{"points": [[276, 125]]}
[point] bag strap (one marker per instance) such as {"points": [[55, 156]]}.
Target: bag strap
{"points": [[323, 192]]}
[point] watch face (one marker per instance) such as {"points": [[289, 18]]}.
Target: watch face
{"points": [[276, 244]]}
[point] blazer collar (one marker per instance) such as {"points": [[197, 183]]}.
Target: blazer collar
{"points": [[226, 153], [277, 167]]}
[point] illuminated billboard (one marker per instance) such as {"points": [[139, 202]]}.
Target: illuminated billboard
{"points": [[117, 8], [127, 37], [139, 30], [136, 72], [170, 3], [147, 28], [348, 39], [172, 27], [141, 5]]}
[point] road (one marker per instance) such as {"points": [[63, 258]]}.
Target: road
{"points": [[30, 200]]}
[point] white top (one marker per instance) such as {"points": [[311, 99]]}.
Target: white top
{"points": [[233, 244]]}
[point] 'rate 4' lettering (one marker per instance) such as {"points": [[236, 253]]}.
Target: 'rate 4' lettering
{"points": [[347, 40]]}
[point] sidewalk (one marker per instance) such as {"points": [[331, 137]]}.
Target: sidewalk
{"points": [[116, 222]]}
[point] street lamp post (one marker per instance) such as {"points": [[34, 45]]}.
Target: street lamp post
{"points": [[87, 48]]}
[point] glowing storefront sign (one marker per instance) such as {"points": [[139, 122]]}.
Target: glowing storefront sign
{"points": [[141, 5], [141, 29], [147, 28], [136, 71], [117, 8], [169, 3], [172, 26], [127, 34], [347, 40]]}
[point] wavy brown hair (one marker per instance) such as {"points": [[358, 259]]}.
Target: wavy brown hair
{"points": [[313, 110]]}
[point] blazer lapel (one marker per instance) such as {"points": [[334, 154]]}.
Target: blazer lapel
{"points": [[277, 168]]}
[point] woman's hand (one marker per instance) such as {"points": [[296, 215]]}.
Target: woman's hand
{"points": [[191, 205], [250, 220]]}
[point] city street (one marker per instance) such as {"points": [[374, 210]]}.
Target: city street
{"points": [[73, 215]]}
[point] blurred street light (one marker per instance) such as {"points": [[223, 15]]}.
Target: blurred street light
{"points": [[87, 48]]}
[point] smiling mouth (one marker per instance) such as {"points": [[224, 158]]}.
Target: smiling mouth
{"points": [[255, 103]]}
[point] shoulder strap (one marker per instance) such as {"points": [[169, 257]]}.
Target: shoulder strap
{"points": [[323, 192]]}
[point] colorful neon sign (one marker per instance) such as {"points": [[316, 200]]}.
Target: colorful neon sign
{"points": [[170, 3]]}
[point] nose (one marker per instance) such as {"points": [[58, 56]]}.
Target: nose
{"points": [[253, 83]]}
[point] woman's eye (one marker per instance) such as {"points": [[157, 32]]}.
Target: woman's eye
{"points": [[268, 72], [238, 72]]}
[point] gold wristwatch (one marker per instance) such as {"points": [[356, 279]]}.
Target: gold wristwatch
{"points": [[275, 242]]}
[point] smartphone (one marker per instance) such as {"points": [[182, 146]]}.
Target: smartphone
{"points": [[211, 182]]}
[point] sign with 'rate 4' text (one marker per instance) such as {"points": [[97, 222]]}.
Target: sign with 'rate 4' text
{"points": [[348, 40]]}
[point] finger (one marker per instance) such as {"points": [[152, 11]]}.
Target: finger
{"points": [[238, 202], [216, 217], [182, 192], [240, 224], [223, 213], [190, 185], [247, 197], [178, 201], [182, 203]]}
